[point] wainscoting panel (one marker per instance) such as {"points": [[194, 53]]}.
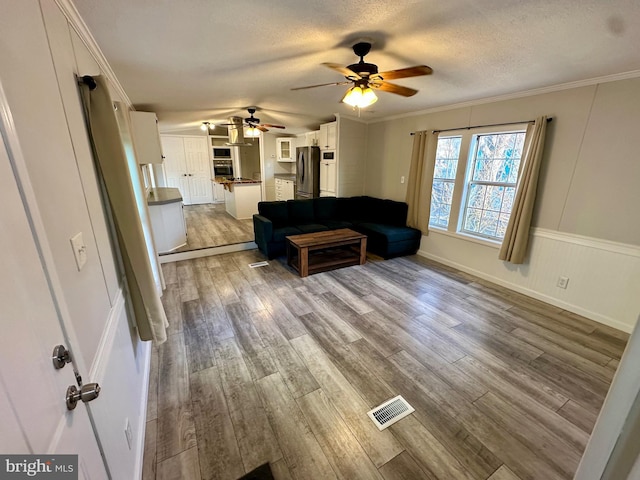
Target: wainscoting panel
{"points": [[604, 277]]}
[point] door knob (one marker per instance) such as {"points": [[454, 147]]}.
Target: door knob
{"points": [[60, 357], [87, 392]]}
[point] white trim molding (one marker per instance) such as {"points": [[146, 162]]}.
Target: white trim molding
{"points": [[77, 23], [604, 276]]}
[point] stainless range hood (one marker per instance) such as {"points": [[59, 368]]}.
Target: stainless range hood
{"points": [[236, 133]]}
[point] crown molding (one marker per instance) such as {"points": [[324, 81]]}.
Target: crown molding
{"points": [[511, 96], [70, 11]]}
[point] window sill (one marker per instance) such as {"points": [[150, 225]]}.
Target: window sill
{"points": [[466, 237]]}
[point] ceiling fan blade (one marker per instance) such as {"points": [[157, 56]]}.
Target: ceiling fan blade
{"points": [[347, 72], [393, 88], [272, 126], [321, 85], [416, 71], [261, 128]]}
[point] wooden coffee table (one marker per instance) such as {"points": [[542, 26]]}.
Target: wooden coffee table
{"points": [[321, 251]]}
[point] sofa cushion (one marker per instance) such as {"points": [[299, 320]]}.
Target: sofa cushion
{"points": [[280, 233], [325, 208], [335, 224], [393, 213], [300, 211], [391, 233], [312, 227], [351, 209], [277, 212]]}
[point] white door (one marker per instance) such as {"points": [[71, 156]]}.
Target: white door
{"points": [[34, 415], [175, 166], [196, 153]]}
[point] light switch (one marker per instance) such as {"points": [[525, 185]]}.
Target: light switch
{"points": [[79, 250], [402, 179]]}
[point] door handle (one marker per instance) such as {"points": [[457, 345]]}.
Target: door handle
{"points": [[60, 357], [87, 392]]}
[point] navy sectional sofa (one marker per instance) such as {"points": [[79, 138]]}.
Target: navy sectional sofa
{"points": [[384, 222]]}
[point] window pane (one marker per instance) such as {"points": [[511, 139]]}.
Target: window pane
{"points": [[495, 163], [444, 174]]}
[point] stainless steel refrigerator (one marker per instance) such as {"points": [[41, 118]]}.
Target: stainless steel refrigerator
{"points": [[307, 172]]}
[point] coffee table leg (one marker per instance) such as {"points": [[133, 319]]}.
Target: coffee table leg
{"points": [[363, 251], [304, 261]]}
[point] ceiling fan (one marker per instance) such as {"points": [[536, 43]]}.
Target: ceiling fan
{"points": [[365, 76], [254, 123]]}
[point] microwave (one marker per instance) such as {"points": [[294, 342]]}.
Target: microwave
{"points": [[223, 153], [329, 155]]}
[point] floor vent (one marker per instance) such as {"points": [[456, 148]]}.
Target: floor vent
{"points": [[390, 412], [258, 264]]}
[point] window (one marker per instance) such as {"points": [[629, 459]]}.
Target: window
{"points": [[492, 183], [444, 176], [477, 195]]}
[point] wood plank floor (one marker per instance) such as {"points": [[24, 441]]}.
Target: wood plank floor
{"points": [[263, 366], [209, 225]]}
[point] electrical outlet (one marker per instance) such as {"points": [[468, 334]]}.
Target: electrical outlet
{"points": [[79, 250], [563, 282], [402, 179], [128, 433]]}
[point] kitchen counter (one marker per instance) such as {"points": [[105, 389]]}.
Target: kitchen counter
{"points": [[285, 176], [241, 196], [230, 182], [163, 195]]}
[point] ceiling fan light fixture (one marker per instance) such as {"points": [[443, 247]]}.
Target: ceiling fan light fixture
{"points": [[252, 132], [207, 126], [359, 97]]}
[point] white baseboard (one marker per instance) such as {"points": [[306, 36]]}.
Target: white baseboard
{"points": [[604, 276], [531, 293]]}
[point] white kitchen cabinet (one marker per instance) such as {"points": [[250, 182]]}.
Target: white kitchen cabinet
{"points": [[328, 180], [187, 167], [285, 149], [309, 139], [146, 139], [167, 219], [327, 136], [218, 193], [285, 189]]}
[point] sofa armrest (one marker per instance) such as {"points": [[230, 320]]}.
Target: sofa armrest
{"points": [[263, 231]]}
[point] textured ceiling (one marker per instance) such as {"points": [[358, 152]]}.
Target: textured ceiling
{"points": [[197, 60]]}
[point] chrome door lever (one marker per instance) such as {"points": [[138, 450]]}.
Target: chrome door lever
{"points": [[87, 392]]}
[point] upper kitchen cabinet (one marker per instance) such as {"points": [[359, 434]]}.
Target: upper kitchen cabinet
{"points": [[285, 149], [327, 137], [309, 139], [146, 139]]}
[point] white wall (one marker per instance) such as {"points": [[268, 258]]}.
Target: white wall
{"points": [[40, 56], [586, 211]]}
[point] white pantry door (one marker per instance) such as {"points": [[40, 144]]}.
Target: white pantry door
{"points": [[175, 166], [196, 151], [33, 410]]}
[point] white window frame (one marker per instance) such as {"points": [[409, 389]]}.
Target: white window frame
{"points": [[461, 184]]}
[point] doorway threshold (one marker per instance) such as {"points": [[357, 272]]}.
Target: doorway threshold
{"points": [[207, 252]]}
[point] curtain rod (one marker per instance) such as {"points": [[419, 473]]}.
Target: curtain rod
{"points": [[481, 126]]}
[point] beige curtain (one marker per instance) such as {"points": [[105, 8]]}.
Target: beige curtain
{"points": [[112, 164], [420, 181], [516, 238]]}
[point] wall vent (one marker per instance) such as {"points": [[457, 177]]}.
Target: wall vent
{"points": [[390, 412], [258, 264]]}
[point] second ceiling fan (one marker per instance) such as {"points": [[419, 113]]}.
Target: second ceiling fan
{"points": [[365, 77]]}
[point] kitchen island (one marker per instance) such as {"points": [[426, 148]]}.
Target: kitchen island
{"points": [[241, 196]]}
